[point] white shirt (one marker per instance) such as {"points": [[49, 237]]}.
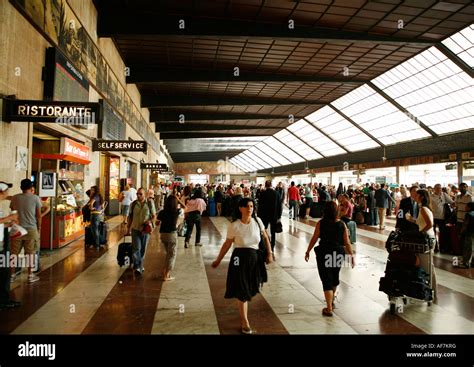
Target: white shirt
{"points": [[133, 192], [127, 197], [461, 205], [437, 204], [245, 235], [421, 222]]}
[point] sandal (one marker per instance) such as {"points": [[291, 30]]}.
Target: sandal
{"points": [[248, 331], [326, 312]]}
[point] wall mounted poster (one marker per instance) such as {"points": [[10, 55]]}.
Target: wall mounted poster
{"points": [[114, 183]]}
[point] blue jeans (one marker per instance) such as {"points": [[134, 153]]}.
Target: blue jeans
{"points": [[95, 220], [374, 217], [139, 242]]}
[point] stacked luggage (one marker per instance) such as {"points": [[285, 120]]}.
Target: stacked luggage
{"points": [[404, 276]]}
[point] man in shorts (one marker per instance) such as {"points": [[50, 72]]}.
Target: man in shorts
{"points": [[28, 206]]}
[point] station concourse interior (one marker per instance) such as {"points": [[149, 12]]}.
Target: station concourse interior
{"points": [[344, 94]]}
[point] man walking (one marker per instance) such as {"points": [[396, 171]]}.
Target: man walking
{"points": [[140, 224], [269, 210]]}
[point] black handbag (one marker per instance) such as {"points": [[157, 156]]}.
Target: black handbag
{"points": [[262, 255], [449, 214], [278, 227]]}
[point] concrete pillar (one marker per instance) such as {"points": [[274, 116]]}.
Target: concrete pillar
{"points": [[460, 171]]}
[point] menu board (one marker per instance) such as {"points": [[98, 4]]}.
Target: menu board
{"points": [[63, 81]]}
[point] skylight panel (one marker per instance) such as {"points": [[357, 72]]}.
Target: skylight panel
{"points": [[284, 150], [440, 96], [276, 157], [462, 44]]}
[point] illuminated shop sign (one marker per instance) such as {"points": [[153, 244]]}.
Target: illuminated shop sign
{"points": [[74, 149], [154, 166], [54, 111], [119, 145]]}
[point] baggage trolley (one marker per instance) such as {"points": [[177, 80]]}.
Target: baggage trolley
{"points": [[399, 283]]}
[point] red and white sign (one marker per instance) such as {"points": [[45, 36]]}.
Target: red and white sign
{"points": [[75, 149]]}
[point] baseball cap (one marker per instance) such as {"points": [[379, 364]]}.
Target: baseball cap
{"points": [[5, 186], [26, 184]]}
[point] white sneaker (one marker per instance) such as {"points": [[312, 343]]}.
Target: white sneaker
{"points": [[12, 278], [33, 278]]}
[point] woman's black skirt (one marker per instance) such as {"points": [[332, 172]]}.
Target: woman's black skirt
{"points": [[244, 276]]}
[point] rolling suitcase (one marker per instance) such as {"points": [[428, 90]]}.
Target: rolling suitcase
{"points": [[302, 212], [125, 253], [316, 210], [212, 208], [456, 247], [88, 238]]}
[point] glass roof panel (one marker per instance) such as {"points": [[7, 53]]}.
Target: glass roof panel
{"points": [[442, 97], [303, 149], [283, 150], [462, 44]]}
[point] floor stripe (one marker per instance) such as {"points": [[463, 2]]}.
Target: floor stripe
{"points": [[130, 306], [367, 283], [352, 306], [49, 258], [52, 282], [71, 306], [185, 305], [261, 314], [450, 279], [297, 309]]}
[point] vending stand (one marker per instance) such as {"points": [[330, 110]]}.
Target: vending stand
{"points": [[65, 190]]}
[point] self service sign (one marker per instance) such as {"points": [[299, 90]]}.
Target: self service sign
{"points": [[119, 145]]}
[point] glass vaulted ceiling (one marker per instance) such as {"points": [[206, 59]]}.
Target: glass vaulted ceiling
{"points": [[435, 92]]}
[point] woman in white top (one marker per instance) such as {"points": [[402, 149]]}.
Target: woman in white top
{"points": [[245, 274], [125, 199], [425, 222]]}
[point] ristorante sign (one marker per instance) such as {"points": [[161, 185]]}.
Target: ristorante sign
{"points": [[54, 111], [119, 146]]}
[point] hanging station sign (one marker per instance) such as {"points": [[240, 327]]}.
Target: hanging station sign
{"points": [[119, 146], [162, 167], [73, 113]]}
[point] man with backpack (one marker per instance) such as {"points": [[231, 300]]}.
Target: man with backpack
{"points": [[140, 225]]}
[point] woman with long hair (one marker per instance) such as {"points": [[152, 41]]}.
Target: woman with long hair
{"points": [[194, 208], [425, 222], [330, 254], [168, 218], [245, 274], [96, 205]]}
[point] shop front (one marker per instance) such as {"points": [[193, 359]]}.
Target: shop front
{"points": [[110, 183], [66, 195]]}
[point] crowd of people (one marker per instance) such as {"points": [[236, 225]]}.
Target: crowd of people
{"points": [[433, 211]]}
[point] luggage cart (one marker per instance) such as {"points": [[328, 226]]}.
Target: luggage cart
{"points": [[402, 288]]}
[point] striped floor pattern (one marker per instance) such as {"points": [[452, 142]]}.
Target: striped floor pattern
{"points": [[84, 291]]}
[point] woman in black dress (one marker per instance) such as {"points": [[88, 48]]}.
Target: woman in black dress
{"points": [[246, 268], [330, 254]]}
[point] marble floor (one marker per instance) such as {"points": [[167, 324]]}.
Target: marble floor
{"points": [[84, 291]]}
